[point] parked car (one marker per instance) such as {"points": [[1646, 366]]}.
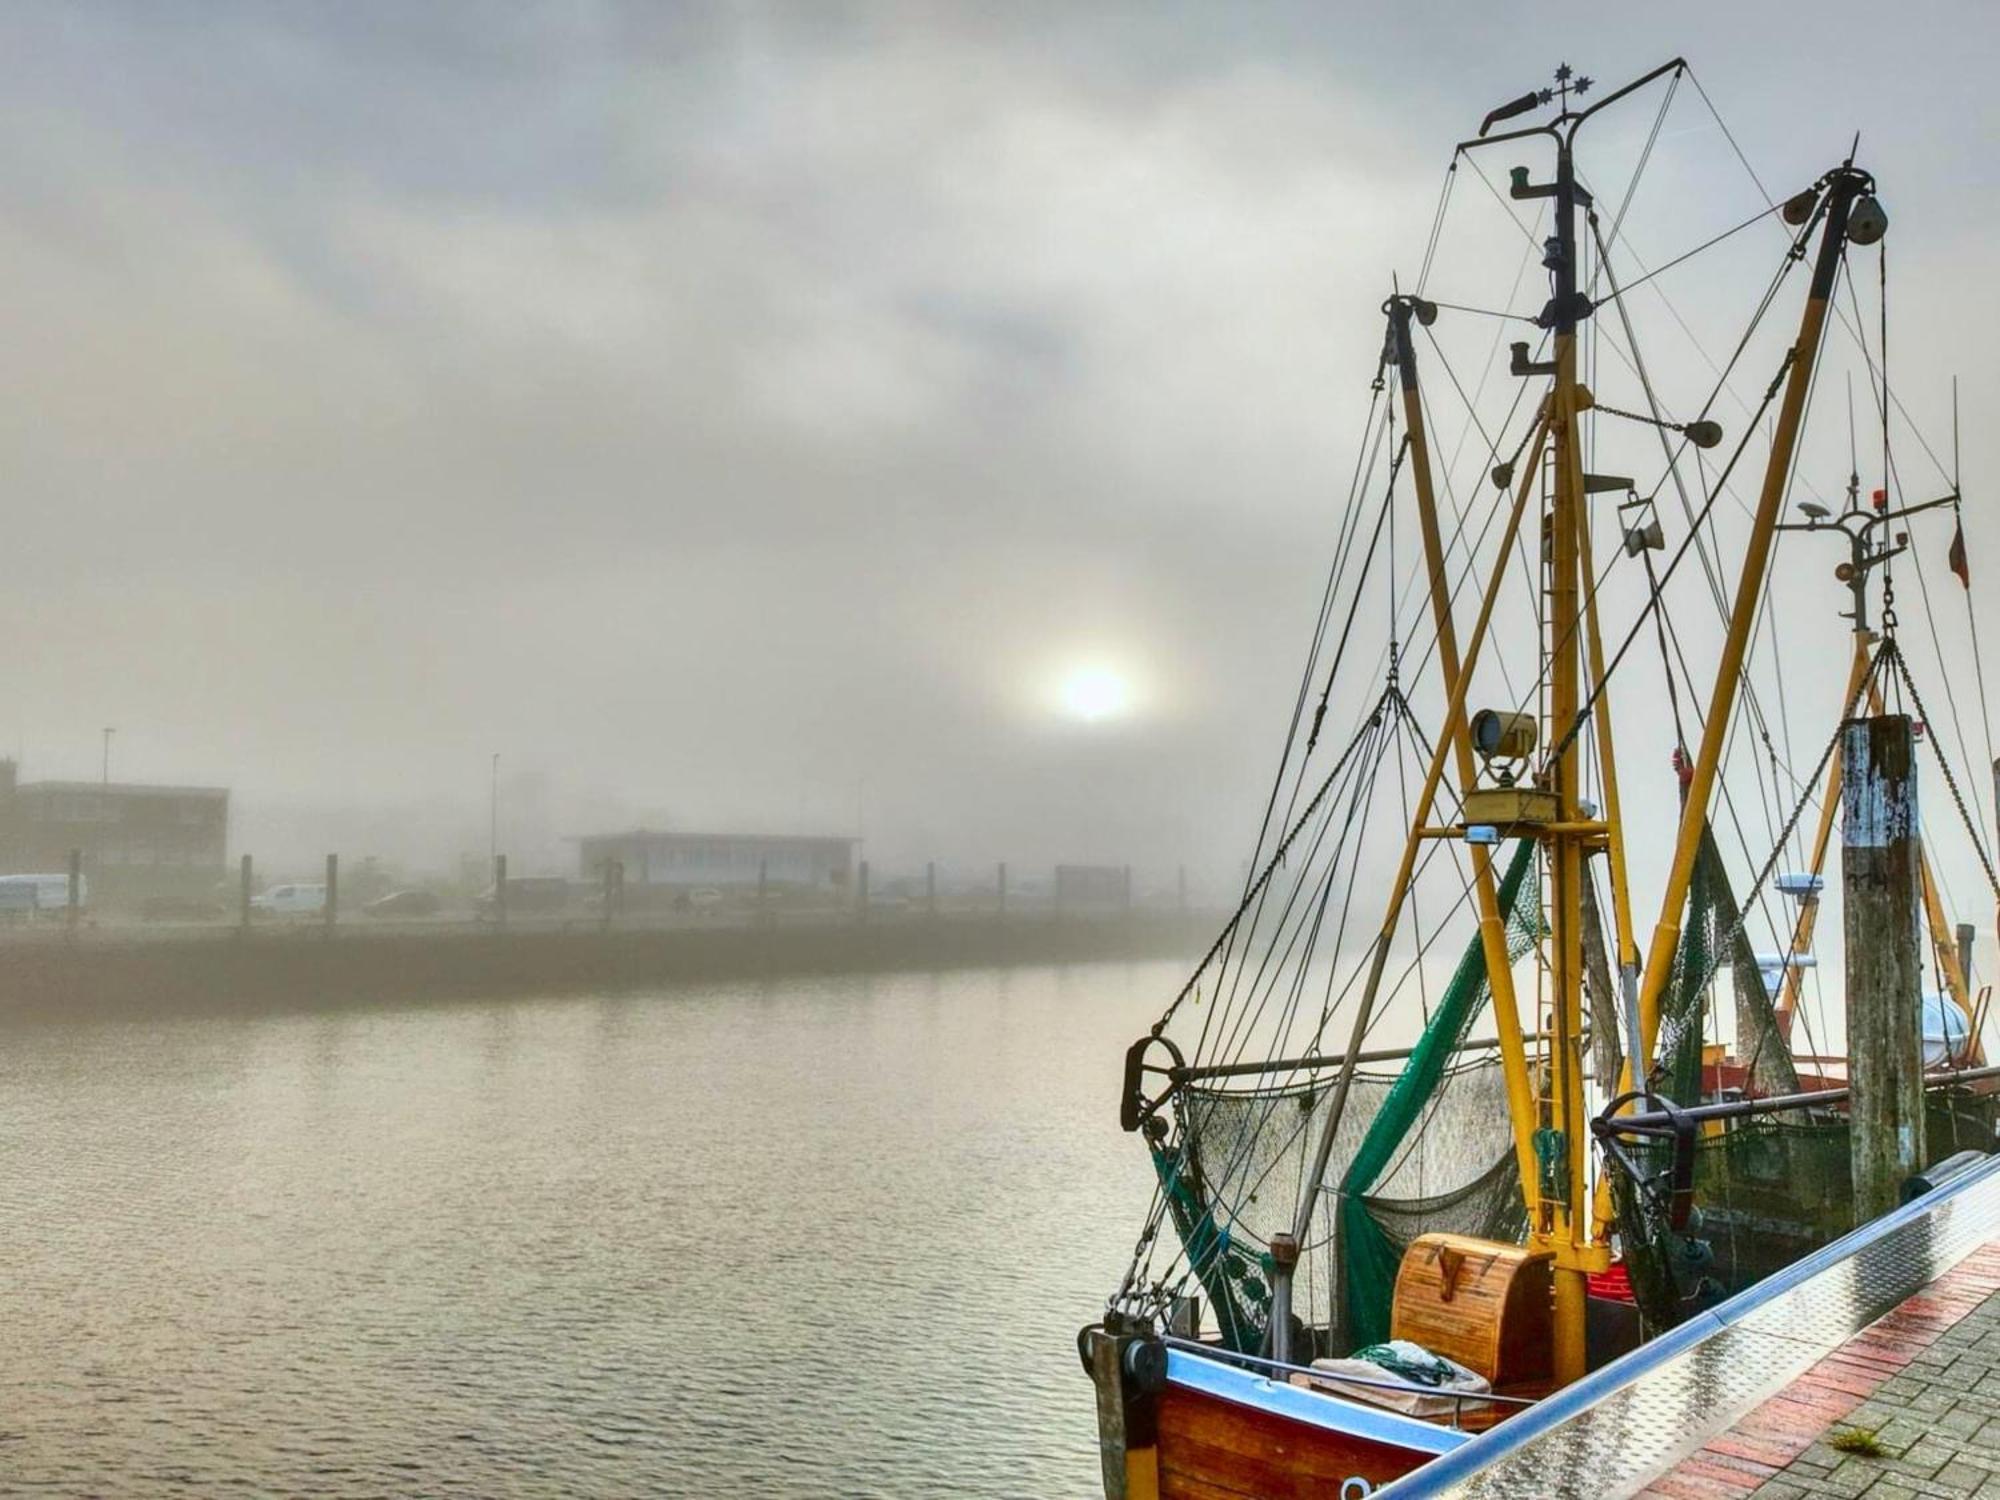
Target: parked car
{"points": [[404, 904], [295, 900]]}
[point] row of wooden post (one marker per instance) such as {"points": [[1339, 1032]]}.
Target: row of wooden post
{"points": [[614, 888]]}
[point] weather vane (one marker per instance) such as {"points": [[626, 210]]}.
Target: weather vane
{"points": [[1564, 73]]}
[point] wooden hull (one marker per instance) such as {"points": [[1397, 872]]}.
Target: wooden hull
{"points": [[1213, 1449], [1222, 1432]]}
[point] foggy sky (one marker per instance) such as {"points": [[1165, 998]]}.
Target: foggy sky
{"points": [[745, 414]]}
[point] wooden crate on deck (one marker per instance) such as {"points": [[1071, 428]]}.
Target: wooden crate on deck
{"points": [[1487, 1305]]}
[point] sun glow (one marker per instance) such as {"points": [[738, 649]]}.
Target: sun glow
{"points": [[1093, 693]]}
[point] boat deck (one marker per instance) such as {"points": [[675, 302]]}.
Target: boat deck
{"points": [[1743, 1399]]}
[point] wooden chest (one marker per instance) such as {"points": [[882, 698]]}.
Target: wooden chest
{"points": [[1487, 1305]]}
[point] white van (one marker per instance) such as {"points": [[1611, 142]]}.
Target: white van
{"points": [[296, 900], [27, 895]]}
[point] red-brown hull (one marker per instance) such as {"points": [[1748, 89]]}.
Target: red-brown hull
{"points": [[1212, 1449]]}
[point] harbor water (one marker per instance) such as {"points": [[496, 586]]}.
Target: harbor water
{"points": [[810, 1238]]}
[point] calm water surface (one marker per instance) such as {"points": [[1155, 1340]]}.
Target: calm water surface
{"points": [[821, 1238]]}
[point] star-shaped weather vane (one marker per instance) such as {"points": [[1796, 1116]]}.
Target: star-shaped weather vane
{"points": [[1567, 82]]}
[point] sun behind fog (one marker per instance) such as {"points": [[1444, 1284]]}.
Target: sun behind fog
{"points": [[1094, 693]]}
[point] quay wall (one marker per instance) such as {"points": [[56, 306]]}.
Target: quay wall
{"points": [[225, 969]]}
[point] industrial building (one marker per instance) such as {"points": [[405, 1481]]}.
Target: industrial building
{"points": [[690, 860], [135, 840]]}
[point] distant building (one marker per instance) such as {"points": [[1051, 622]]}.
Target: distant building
{"points": [[718, 859], [134, 839]]}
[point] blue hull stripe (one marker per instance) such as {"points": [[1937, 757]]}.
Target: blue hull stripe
{"points": [[1230, 1382]]}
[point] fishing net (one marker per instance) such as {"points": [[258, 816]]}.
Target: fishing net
{"points": [[1372, 1252], [1766, 1190], [1769, 1190], [1427, 1148]]}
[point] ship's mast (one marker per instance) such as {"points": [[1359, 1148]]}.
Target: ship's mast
{"points": [[1563, 1223]]}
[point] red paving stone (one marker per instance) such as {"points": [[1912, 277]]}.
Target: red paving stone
{"points": [[1761, 1443]]}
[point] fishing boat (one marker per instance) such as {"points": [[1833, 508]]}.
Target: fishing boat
{"points": [[1438, 1125]]}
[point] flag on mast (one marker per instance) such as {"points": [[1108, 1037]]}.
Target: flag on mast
{"points": [[1957, 559]]}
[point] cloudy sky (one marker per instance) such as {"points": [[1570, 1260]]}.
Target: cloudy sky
{"points": [[759, 413]]}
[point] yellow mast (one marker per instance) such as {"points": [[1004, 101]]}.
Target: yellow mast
{"points": [[1843, 186], [1492, 921]]}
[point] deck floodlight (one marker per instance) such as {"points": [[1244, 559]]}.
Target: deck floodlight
{"points": [[1703, 434], [1503, 736], [1482, 833], [1866, 221], [1427, 312], [1647, 538], [1799, 207]]}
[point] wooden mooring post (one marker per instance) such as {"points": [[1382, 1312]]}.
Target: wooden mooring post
{"points": [[332, 908], [243, 896], [1880, 859]]}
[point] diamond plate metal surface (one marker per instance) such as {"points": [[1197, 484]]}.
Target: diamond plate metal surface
{"points": [[1753, 1347]]}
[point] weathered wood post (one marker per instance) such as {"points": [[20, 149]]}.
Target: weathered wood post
{"points": [[243, 893], [500, 889], [75, 888], [930, 889], [1003, 888], [861, 894], [332, 911], [763, 892], [1879, 863]]}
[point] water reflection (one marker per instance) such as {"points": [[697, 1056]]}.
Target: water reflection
{"points": [[806, 1239]]}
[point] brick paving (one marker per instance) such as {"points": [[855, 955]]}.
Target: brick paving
{"points": [[1925, 1380]]}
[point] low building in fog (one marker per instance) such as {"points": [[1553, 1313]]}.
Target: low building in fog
{"points": [[692, 860], [134, 839]]}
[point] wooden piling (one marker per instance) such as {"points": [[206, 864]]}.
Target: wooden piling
{"points": [[1003, 887], [930, 888], [75, 888], [861, 892], [243, 895], [1880, 860], [331, 912], [500, 890]]}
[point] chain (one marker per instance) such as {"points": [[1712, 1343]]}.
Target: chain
{"points": [[1950, 781], [1639, 416]]}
